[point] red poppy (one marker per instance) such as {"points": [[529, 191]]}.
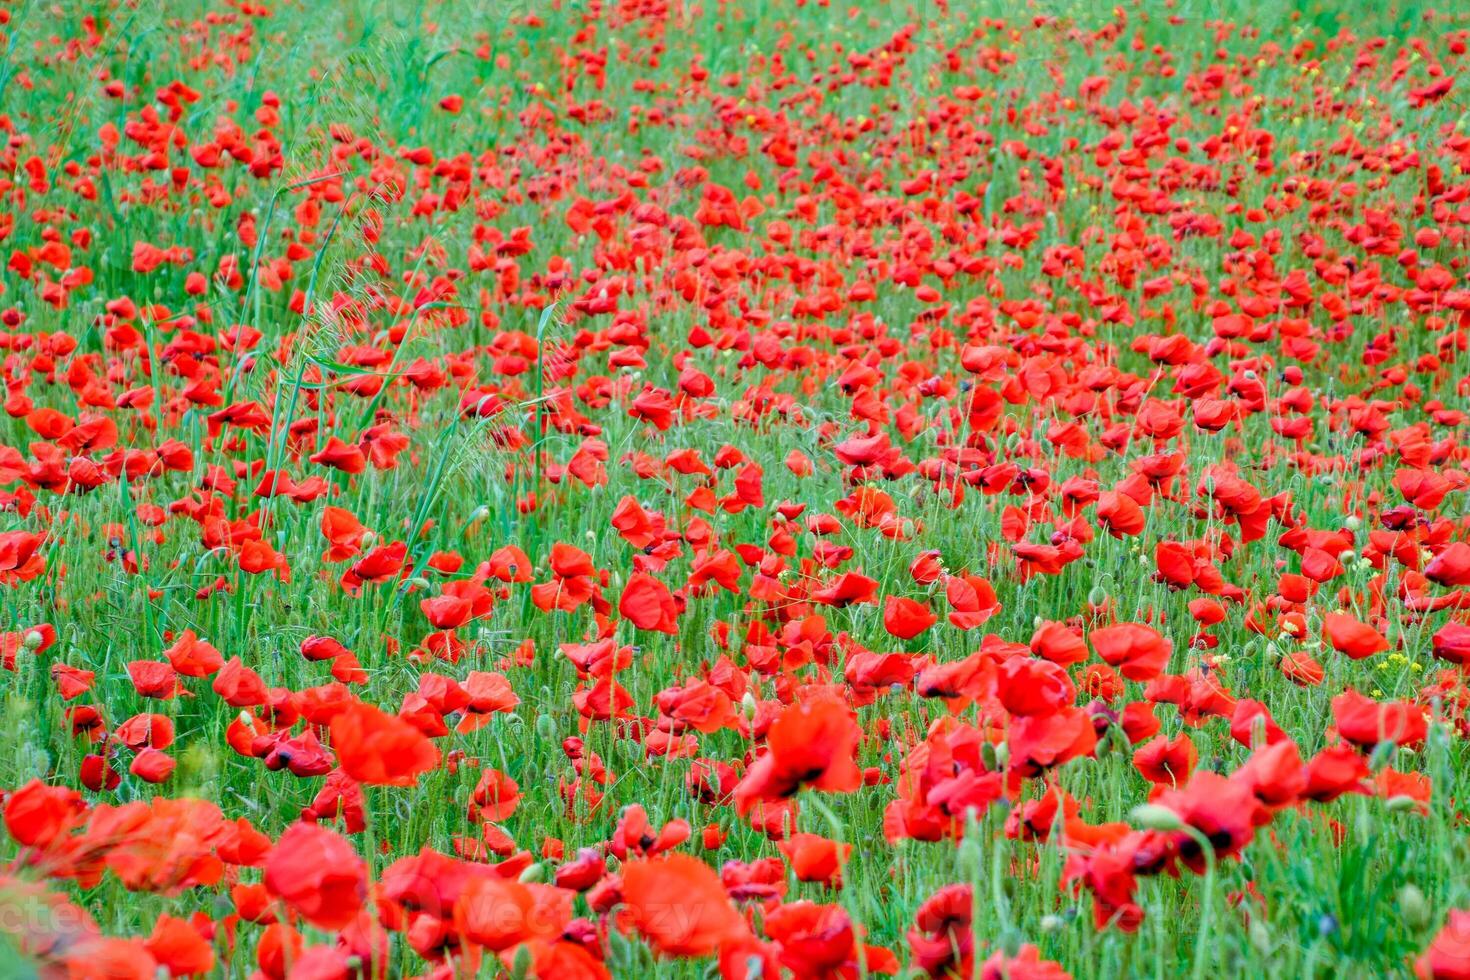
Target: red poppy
{"points": [[812, 743], [1138, 651], [1352, 637], [318, 874], [679, 906], [378, 748]]}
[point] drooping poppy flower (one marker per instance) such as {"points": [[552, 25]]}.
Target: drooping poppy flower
{"points": [[1352, 637], [647, 603]]}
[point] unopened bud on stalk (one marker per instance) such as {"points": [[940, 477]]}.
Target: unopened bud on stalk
{"points": [[545, 727], [987, 756], [748, 706], [533, 873], [1151, 816], [1098, 596], [1260, 937], [1413, 907], [1002, 755], [1401, 803], [33, 639], [1382, 755]]}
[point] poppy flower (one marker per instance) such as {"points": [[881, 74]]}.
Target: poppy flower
{"points": [[193, 657], [635, 835], [318, 874], [380, 749], [497, 914], [941, 940], [1448, 955], [1451, 566], [678, 905], [812, 743], [972, 600], [821, 941], [906, 618], [177, 945], [1138, 651], [647, 604], [1365, 722], [1451, 642], [1352, 637], [815, 858]]}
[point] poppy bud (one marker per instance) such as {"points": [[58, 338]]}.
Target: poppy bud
{"points": [[533, 873], [478, 514], [1400, 803], [1260, 937], [1352, 522], [1151, 816], [1052, 923], [969, 853], [987, 756], [1382, 755], [1098, 596], [33, 639], [1413, 907], [546, 727]]}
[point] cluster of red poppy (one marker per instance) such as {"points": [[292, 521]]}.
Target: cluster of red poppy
{"points": [[428, 529]]}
